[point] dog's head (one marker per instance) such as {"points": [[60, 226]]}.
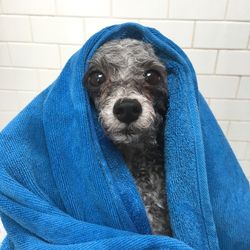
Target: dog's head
{"points": [[127, 83]]}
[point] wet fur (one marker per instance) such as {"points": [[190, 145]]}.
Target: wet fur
{"points": [[124, 63]]}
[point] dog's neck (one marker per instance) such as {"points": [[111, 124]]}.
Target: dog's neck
{"points": [[144, 152], [146, 163], [131, 152]]}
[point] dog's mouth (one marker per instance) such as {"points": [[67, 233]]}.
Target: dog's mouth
{"points": [[130, 134], [130, 131], [125, 137], [126, 133]]}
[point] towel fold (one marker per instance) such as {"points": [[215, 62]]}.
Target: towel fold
{"points": [[64, 185]]}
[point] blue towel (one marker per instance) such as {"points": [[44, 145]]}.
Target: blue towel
{"points": [[64, 185]]}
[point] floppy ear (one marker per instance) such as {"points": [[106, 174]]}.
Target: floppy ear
{"points": [[161, 100]]}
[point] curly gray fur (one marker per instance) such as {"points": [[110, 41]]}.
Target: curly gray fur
{"points": [[124, 63]]}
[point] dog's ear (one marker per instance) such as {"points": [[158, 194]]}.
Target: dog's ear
{"points": [[161, 101]]}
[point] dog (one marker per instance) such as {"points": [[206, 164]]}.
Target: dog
{"points": [[127, 84]]}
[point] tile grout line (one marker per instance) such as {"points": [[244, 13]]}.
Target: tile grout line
{"points": [[80, 43], [41, 43], [56, 9], [8, 49], [31, 29], [226, 10], [168, 10], [238, 89], [227, 99], [228, 128], [193, 35], [216, 62], [28, 67], [38, 80], [111, 8], [123, 17], [246, 150], [248, 45], [84, 31]]}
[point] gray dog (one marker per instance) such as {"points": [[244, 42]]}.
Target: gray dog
{"points": [[126, 81]]}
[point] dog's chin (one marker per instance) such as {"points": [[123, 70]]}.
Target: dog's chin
{"points": [[133, 137], [140, 131], [124, 138]]}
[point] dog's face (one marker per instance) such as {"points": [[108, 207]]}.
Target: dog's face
{"points": [[127, 84]]}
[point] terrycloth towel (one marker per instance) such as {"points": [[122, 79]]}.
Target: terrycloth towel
{"points": [[64, 185]]}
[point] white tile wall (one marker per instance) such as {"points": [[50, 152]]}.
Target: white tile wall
{"points": [[233, 62], [67, 51], [239, 131], [218, 86], [40, 55], [8, 100], [140, 8], [231, 109], [229, 35], [15, 28], [6, 117], [57, 30], [247, 155], [38, 37], [197, 9], [94, 8], [239, 148], [38, 7], [93, 25], [244, 90], [203, 60], [238, 10], [18, 79], [24, 97], [181, 32], [224, 126], [46, 77], [245, 166], [4, 55]]}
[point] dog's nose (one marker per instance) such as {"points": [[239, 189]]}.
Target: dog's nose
{"points": [[127, 110]]}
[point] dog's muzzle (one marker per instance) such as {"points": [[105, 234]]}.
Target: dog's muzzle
{"points": [[127, 110]]}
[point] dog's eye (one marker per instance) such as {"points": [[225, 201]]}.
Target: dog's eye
{"points": [[152, 76], [96, 78]]}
